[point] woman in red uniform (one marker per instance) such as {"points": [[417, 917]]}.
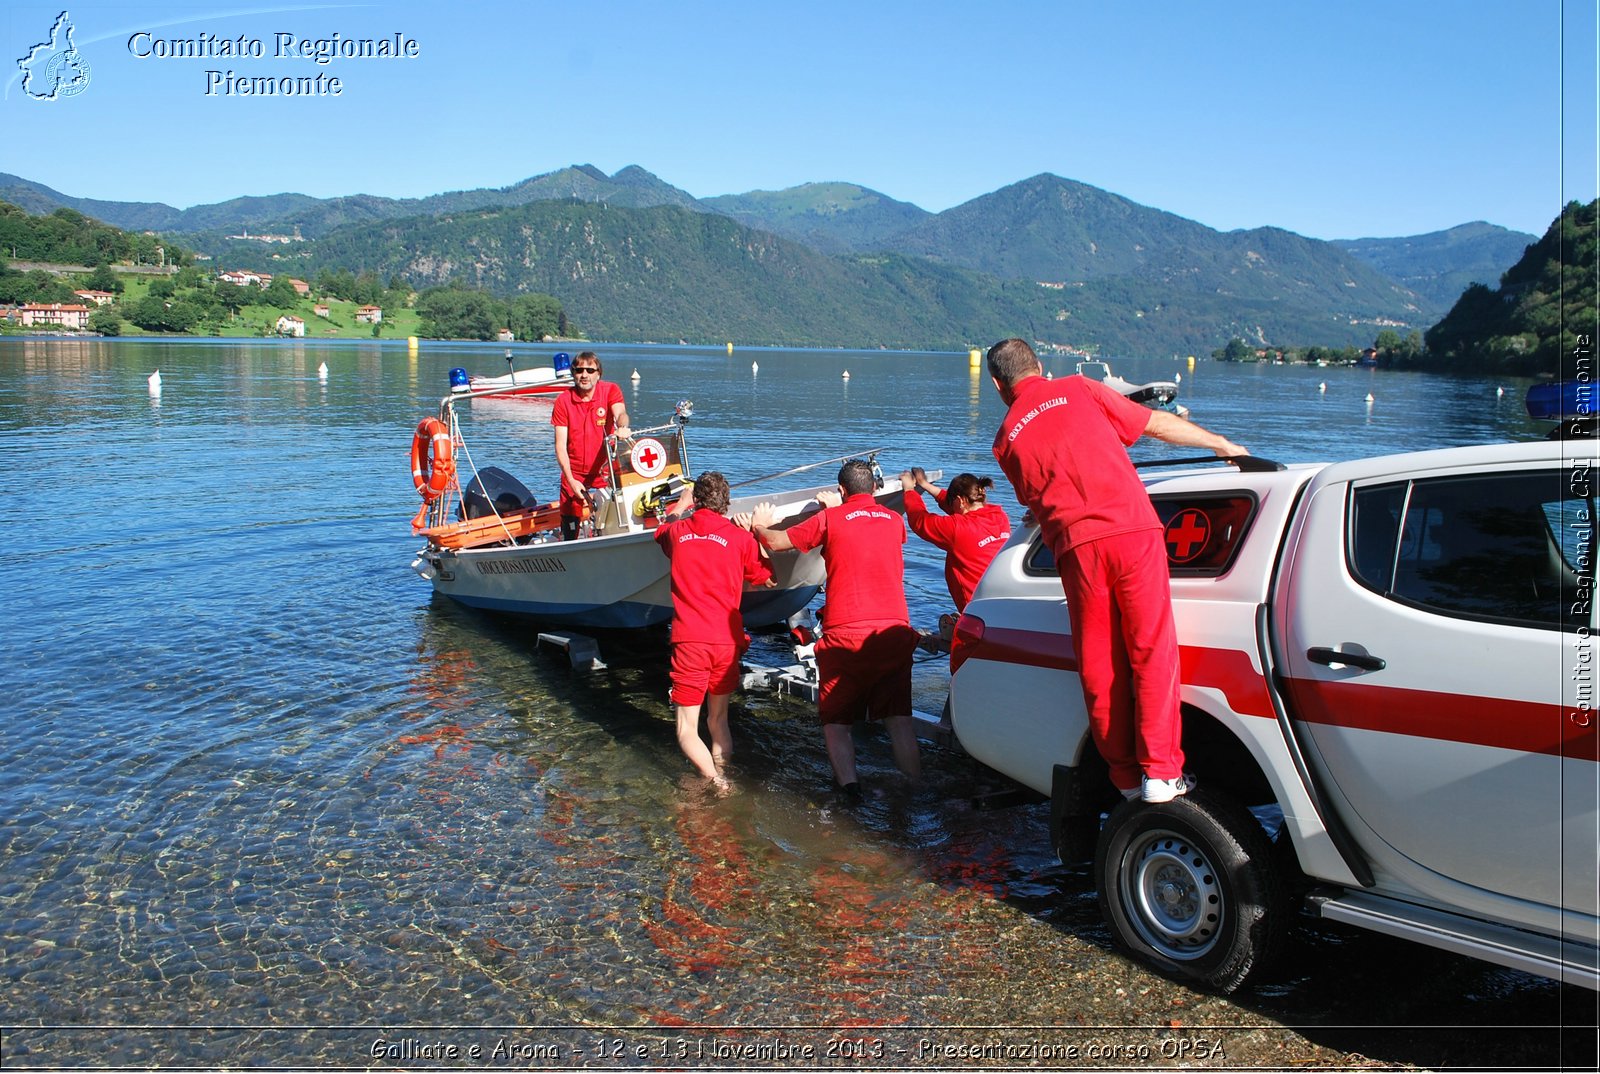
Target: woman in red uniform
{"points": [[711, 558], [971, 531]]}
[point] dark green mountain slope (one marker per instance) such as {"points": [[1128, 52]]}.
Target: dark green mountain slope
{"points": [[669, 273], [1441, 264], [666, 273], [1531, 325], [282, 213], [1050, 229], [835, 218], [40, 200]]}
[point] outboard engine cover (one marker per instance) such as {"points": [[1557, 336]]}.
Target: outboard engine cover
{"points": [[459, 379], [494, 491]]}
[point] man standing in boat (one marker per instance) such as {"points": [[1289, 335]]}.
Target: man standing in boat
{"points": [[1063, 446], [711, 558], [583, 416], [864, 654]]}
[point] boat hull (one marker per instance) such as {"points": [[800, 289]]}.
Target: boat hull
{"points": [[620, 581]]}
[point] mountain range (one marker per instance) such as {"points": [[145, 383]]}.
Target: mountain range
{"points": [[633, 257]]}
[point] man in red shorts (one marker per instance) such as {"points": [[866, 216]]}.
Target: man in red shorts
{"points": [[970, 531], [711, 558], [864, 654], [1063, 445], [583, 416]]}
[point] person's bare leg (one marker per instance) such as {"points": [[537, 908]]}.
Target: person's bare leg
{"points": [[903, 741], [690, 743], [841, 751], [717, 724]]}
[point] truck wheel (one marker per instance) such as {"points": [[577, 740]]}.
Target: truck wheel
{"points": [[1188, 886]]}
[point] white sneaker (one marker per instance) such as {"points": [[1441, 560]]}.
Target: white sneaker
{"points": [[1165, 790]]}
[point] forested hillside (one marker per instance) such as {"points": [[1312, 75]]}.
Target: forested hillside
{"points": [[835, 218], [1531, 323], [1442, 264], [669, 273]]}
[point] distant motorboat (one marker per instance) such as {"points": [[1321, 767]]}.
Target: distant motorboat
{"points": [[1155, 394], [541, 380]]}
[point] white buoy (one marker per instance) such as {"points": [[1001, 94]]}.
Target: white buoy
{"points": [[1177, 378], [847, 374], [754, 368], [1369, 397], [154, 380], [636, 376], [322, 371], [1322, 387], [1499, 392]]}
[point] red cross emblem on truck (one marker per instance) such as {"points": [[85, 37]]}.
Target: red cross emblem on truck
{"points": [[649, 457], [1187, 534]]}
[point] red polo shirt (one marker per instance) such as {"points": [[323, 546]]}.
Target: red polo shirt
{"points": [[1063, 444], [861, 544], [711, 560], [587, 424], [969, 540]]}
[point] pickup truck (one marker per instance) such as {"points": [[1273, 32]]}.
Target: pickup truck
{"points": [[1388, 683]]}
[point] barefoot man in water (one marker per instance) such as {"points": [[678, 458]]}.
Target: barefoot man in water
{"points": [[864, 655]]}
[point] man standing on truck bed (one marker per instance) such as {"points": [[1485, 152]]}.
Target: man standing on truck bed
{"points": [[1063, 446]]}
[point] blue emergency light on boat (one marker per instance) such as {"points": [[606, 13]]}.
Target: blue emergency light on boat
{"points": [[458, 378], [561, 362], [1563, 400]]}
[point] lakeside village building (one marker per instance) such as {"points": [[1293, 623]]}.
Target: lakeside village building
{"points": [[56, 313]]}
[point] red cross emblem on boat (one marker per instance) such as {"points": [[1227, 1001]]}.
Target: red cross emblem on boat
{"points": [[1187, 534], [649, 458]]}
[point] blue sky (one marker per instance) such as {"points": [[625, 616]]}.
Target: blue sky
{"points": [[1332, 119]]}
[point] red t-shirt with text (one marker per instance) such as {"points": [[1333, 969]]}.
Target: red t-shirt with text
{"points": [[711, 560], [1063, 445], [970, 540], [862, 548]]}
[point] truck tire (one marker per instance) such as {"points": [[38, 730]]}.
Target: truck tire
{"points": [[1188, 887]]}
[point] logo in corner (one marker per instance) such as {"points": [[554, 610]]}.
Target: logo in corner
{"points": [[54, 69]]}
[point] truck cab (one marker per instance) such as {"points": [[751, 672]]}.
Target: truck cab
{"points": [[1388, 689]]}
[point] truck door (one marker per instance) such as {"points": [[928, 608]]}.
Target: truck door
{"points": [[1435, 632]]}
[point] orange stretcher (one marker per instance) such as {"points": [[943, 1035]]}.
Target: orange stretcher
{"points": [[491, 529]]}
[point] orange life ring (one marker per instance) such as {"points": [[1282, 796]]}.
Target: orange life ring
{"points": [[433, 464]]}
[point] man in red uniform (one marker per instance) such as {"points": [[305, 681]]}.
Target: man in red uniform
{"points": [[971, 531], [583, 416], [864, 654], [1063, 446], [711, 560]]}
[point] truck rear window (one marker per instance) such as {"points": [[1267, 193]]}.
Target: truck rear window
{"points": [[1203, 533]]}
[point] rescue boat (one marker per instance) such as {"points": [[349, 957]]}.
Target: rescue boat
{"points": [[491, 545]]}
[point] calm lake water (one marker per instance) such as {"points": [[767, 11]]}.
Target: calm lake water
{"points": [[267, 801]]}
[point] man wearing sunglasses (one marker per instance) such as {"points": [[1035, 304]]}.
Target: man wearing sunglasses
{"points": [[583, 416]]}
